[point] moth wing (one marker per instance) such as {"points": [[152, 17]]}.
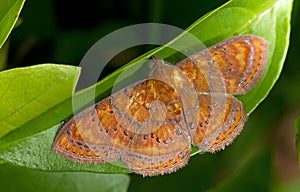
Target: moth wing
{"points": [[233, 66]]}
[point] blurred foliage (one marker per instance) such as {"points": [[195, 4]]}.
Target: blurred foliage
{"points": [[9, 12], [21, 179], [262, 158]]}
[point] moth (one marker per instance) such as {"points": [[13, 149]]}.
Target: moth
{"points": [[151, 125]]}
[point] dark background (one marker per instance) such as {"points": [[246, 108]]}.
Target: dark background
{"points": [[260, 159]]}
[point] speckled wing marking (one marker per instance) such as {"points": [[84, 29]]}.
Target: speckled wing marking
{"points": [[119, 127], [221, 120], [233, 66], [87, 137], [239, 62], [162, 144], [151, 125]]}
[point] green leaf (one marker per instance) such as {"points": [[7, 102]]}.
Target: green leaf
{"points": [[25, 93], [30, 144], [30, 97], [9, 13], [17, 179]]}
